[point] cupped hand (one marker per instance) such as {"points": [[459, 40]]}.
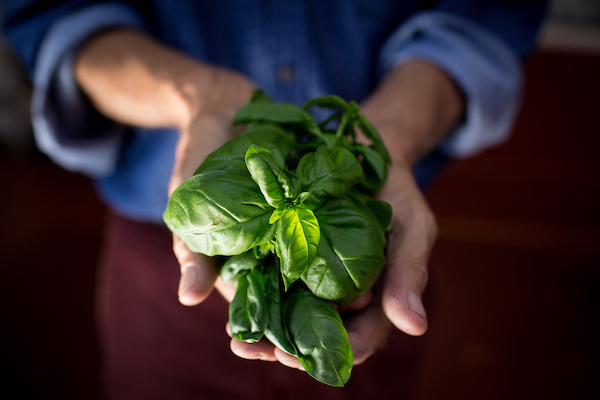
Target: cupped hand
{"points": [[396, 300], [207, 129]]}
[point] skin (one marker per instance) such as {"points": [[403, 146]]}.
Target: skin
{"points": [[135, 80]]}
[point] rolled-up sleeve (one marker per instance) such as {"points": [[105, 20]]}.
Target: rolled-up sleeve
{"points": [[483, 65], [66, 125]]}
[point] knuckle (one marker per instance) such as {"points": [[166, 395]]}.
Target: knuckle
{"points": [[423, 276], [419, 274]]}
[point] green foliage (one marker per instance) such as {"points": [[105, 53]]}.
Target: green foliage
{"points": [[319, 337], [289, 201], [249, 309], [298, 237], [350, 254]]}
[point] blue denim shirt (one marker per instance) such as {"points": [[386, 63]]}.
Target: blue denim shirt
{"points": [[294, 50]]}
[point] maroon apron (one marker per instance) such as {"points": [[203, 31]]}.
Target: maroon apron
{"points": [[156, 348]]}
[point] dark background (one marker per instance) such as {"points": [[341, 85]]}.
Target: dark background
{"points": [[516, 268]]}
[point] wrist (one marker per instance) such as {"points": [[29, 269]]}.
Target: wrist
{"points": [[413, 108]]}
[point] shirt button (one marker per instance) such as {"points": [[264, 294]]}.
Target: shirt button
{"points": [[286, 74]]}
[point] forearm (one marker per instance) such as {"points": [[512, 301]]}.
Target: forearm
{"points": [[134, 79], [413, 108]]}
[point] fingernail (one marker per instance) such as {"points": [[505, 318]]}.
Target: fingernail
{"points": [[189, 276], [415, 304]]}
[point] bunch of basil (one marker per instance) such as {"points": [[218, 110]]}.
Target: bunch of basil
{"points": [[289, 201]]}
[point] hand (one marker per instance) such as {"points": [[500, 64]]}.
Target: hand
{"points": [[136, 80], [208, 130]]}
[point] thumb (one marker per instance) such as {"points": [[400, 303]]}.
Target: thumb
{"points": [[197, 274], [407, 275]]}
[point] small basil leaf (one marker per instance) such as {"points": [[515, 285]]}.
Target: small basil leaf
{"points": [[259, 96], [267, 174], [329, 101], [277, 214], [291, 185], [374, 167], [319, 336], [276, 331], [297, 241], [342, 126], [279, 113], [248, 311], [238, 265], [371, 133]]}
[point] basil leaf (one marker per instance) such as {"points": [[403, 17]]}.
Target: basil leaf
{"points": [[342, 126], [297, 240], [381, 211], [259, 96], [269, 173], [276, 331], [279, 113], [324, 174], [374, 167], [248, 311], [220, 212], [371, 133], [350, 253], [238, 265], [319, 336], [232, 154], [329, 101]]}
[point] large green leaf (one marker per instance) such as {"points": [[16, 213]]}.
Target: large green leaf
{"points": [[380, 211], [220, 212], [350, 253], [327, 174], [232, 154], [297, 240], [249, 310], [319, 336]]}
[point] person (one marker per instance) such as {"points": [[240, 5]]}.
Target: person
{"points": [[137, 94]]}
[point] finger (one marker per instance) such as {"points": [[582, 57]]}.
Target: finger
{"points": [[261, 350], [226, 288], [406, 279], [197, 275], [367, 332], [182, 166], [288, 360], [409, 245]]}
